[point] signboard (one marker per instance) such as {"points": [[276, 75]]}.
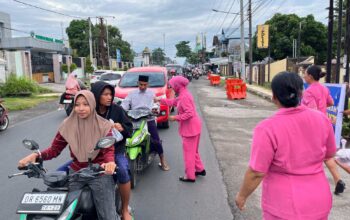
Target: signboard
{"points": [[48, 39], [263, 36], [119, 56], [335, 112]]}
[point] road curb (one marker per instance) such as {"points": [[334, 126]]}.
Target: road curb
{"points": [[263, 95]]}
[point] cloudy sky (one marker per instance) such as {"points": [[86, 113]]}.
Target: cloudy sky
{"points": [[143, 23]]}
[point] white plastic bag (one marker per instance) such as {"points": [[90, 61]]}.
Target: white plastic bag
{"points": [[116, 134]]}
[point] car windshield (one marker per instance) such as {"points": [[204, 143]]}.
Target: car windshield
{"points": [[130, 79], [177, 68], [110, 76], [98, 72]]}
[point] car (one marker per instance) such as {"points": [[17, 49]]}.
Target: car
{"points": [[96, 75], [111, 78], [158, 83]]}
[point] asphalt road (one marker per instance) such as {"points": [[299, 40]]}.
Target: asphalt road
{"points": [[158, 195]]}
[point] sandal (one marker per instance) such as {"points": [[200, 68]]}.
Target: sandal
{"points": [[165, 167], [183, 179]]}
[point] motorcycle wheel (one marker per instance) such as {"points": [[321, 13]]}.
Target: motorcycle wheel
{"points": [[4, 124], [133, 171], [68, 108]]}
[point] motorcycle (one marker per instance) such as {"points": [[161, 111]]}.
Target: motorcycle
{"points": [[57, 202], [189, 76], [4, 119], [138, 146], [68, 102], [196, 74]]}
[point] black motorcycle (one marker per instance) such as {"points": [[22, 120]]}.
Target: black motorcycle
{"points": [[57, 202]]}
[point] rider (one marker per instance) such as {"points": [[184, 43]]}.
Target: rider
{"points": [[104, 94], [143, 98], [81, 131], [73, 85]]}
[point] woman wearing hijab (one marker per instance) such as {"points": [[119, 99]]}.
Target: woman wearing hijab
{"points": [[318, 97], [81, 131], [287, 154], [189, 127]]}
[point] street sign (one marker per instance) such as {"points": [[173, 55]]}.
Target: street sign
{"points": [[119, 56], [263, 36]]}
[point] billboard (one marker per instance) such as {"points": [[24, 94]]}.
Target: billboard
{"points": [[263, 36], [119, 56]]}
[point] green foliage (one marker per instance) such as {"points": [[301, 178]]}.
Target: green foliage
{"points": [[158, 56], [183, 49], [64, 68], [17, 86], [193, 58], [284, 28], [345, 132], [125, 68], [73, 67], [88, 66], [78, 33]]}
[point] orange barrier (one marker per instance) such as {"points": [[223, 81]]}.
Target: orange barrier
{"points": [[236, 89], [214, 80], [209, 75]]}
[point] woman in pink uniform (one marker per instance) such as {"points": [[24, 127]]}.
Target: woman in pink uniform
{"points": [[317, 96], [287, 155], [189, 127]]}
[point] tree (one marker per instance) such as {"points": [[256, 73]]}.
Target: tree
{"points": [[193, 58], [183, 49], [88, 66], [158, 56], [284, 28], [78, 34]]}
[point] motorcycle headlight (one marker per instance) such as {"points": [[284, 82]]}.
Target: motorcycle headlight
{"points": [[139, 138], [68, 213]]}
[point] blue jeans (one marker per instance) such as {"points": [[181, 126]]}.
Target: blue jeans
{"points": [[122, 176]]}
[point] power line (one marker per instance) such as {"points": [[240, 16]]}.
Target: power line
{"points": [[48, 10], [12, 29], [233, 2]]}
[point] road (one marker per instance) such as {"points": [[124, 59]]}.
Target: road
{"points": [[158, 195]]}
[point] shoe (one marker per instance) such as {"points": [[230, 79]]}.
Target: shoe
{"points": [[183, 179], [339, 188], [202, 173], [165, 167]]}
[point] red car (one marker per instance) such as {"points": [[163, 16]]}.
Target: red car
{"points": [[158, 83]]}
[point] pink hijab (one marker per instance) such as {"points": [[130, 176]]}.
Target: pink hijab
{"points": [[178, 83], [72, 82], [83, 134]]}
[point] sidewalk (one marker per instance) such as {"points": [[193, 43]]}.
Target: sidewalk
{"points": [[260, 91]]}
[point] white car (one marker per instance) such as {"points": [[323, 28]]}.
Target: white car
{"points": [[96, 75], [111, 78]]}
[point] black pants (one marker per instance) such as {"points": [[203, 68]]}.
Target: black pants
{"points": [[156, 143]]}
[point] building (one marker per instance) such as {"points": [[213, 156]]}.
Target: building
{"points": [[35, 56]]}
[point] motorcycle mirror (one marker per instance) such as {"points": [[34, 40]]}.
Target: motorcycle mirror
{"points": [[30, 144], [105, 143]]}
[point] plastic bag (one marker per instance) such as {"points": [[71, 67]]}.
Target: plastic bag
{"points": [[116, 134]]}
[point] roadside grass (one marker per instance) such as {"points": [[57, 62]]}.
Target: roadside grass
{"points": [[21, 103]]}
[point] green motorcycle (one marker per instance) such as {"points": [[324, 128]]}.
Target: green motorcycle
{"points": [[138, 147]]}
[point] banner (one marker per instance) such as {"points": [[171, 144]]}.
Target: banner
{"points": [[335, 112], [119, 56], [263, 36]]}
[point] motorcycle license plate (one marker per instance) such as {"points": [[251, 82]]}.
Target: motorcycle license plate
{"points": [[67, 101], [42, 203]]}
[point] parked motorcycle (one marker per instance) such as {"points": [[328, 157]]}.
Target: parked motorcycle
{"points": [[4, 119], [56, 202], [138, 147]]}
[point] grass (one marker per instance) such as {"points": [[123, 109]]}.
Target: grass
{"points": [[21, 103]]}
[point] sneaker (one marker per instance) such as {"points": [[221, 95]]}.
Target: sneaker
{"points": [[339, 188]]}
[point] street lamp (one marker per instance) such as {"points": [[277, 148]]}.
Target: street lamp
{"points": [[227, 12], [299, 39]]}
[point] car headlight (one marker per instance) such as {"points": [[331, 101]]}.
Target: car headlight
{"points": [[162, 96]]}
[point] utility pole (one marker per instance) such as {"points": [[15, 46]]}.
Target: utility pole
{"points": [[340, 19], [62, 31], [299, 43], [250, 42], [102, 47], [109, 63], [347, 41], [90, 41], [330, 41], [242, 43]]}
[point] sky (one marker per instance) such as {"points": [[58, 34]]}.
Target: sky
{"points": [[151, 23]]}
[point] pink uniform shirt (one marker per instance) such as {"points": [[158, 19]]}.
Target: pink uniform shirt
{"points": [[317, 96], [290, 147], [189, 121]]}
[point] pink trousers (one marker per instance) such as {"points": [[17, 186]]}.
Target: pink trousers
{"points": [[269, 216], [193, 162]]}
